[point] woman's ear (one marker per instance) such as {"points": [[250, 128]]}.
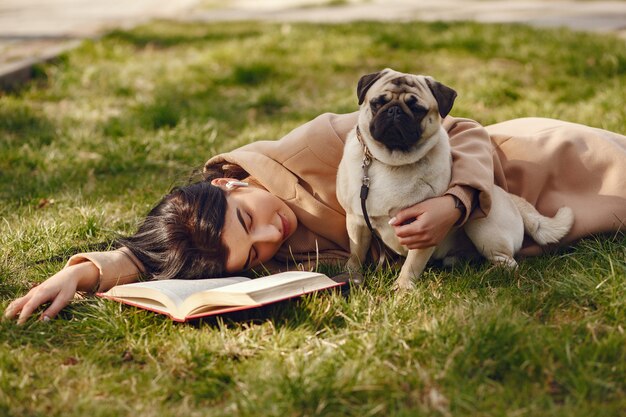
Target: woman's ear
{"points": [[228, 184], [221, 182]]}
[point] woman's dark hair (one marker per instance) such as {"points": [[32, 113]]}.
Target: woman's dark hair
{"points": [[180, 237]]}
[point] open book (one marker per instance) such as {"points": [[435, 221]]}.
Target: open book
{"points": [[183, 300]]}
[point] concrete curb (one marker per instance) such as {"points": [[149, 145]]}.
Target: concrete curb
{"points": [[15, 74], [38, 31]]}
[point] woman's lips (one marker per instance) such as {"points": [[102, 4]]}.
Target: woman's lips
{"points": [[285, 226]]}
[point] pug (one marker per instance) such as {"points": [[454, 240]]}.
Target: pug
{"points": [[399, 155]]}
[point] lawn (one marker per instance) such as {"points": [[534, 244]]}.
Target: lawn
{"points": [[99, 135]]}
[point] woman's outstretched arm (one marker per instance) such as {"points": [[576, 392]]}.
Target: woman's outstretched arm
{"points": [[88, 272]]}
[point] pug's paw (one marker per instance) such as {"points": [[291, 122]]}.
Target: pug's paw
{"points": [[403, 284]]}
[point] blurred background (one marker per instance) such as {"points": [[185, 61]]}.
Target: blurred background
{"points": [[36, 30]]}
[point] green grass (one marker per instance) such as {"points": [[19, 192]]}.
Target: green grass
{"points": [[98, 136]]}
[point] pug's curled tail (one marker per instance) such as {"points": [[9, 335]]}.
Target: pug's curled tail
{"points": [[544, 230]]}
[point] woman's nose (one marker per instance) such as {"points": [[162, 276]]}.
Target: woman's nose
{"points": [[267, 234]]}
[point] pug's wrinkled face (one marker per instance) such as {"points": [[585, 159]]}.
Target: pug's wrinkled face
{"points": [[403, 108]]}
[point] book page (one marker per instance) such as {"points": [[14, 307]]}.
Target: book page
{"points": [[178, 289], [257, 291], [269, 282]]}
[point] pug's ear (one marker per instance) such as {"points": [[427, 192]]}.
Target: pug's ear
{"points": [[444, 95], [365, 83]]}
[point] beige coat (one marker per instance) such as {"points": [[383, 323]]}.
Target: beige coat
{"points": [[550, 163]]}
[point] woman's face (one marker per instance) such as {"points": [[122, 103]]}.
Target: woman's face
{"points": [[256, 225]]}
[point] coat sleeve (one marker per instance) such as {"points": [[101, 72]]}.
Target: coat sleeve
{"points": [[472, 166], [116, 267]]}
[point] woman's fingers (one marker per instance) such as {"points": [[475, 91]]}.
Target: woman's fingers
{"points": [[406, 215], [26, 311], [418, 229], [23, 307], [39, 297], [416, 233], [15, 307], [417, 241], [62, 300]]}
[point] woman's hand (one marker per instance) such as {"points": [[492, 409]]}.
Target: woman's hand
{"points": [[59, 290], [430, 221]]}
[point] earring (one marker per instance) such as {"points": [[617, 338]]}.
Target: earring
{"points": [[231, 185]]}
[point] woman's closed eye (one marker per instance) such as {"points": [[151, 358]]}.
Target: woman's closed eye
{"points": [[253, 253], [246, 223]]}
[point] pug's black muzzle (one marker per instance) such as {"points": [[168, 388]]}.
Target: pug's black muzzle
{"points": [[395, 128]]}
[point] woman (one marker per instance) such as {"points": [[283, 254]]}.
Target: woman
{"points": [[286, 210]]}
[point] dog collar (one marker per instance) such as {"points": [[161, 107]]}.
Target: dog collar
{"points": [[366, 150]]}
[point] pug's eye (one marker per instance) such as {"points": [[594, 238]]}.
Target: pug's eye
{"points": [[378, 102], [411, 102]]}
